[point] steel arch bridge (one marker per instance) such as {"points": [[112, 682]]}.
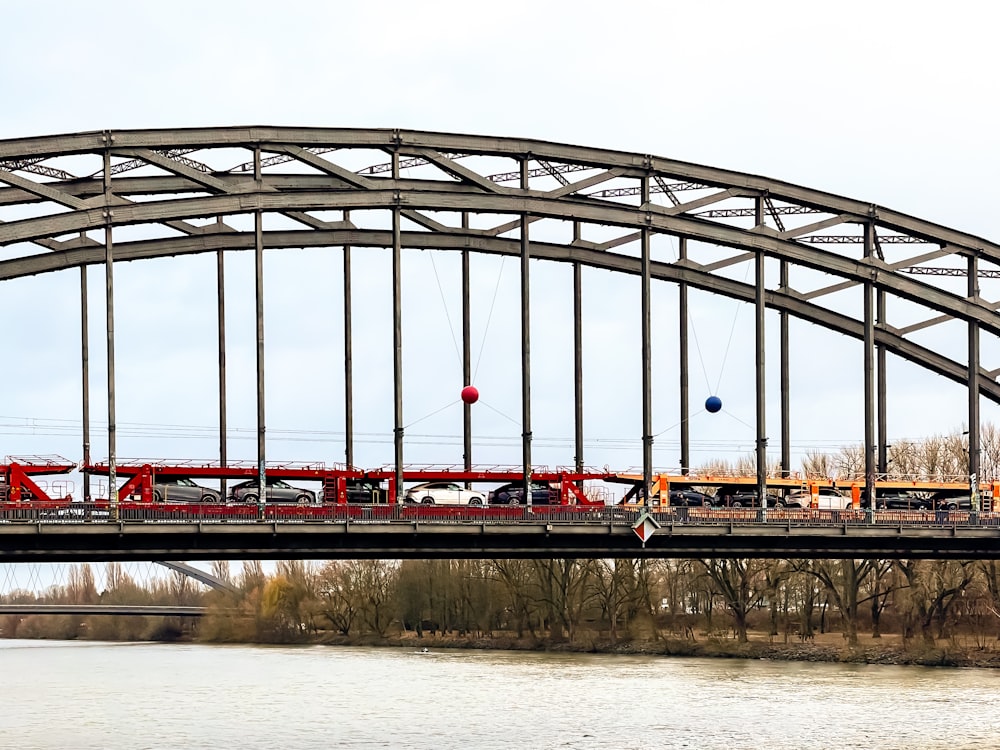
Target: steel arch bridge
{"points": [[73, 201]]}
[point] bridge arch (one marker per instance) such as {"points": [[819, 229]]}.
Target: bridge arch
{"points": [[508, 196]]}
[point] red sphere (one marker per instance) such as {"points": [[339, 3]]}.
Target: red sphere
{"points": [[470, 394]]}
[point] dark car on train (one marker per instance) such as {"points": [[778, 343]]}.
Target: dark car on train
{"points": [[690, 499], [365, 491], [743, 497], [512, 493], [949, 500], [896, 500], [182, 490], [276, 491], [357, 490]]}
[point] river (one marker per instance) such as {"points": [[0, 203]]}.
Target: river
{"points": [[140, 696]]}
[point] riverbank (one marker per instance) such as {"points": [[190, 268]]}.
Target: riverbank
{"points": [[829, 647]]}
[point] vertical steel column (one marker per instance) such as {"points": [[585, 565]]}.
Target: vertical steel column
{"points": [[685, 405], [881, 400], [85, 376], [869, 378], [348, 358], [109, 289], [220, 282], [974, 436], [647, 374], [466, 353], [761, 390], [577, 358], [397, 333], [785, 380], [525, 344], [258, 233], [761, 403]]}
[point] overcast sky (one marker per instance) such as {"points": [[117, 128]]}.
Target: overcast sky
{"points": [[892, 103]]}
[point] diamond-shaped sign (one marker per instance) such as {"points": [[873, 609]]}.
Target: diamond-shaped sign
{"points": [[645, 527]]}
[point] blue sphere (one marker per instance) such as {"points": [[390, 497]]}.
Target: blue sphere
{"points": [[713, 404]]}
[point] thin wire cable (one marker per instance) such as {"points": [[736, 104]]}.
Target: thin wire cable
{"points": [[428, 416], [694, 331], [489, 318], [674, 427], [733, 416], [732, 331], [491, 408], [444, 303], [697, 347]]}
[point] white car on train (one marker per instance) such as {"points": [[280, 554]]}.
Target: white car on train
{"points": [[827, 498], [443, 493]]}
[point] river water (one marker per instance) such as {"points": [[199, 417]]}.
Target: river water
{"points": [[102, 695]]}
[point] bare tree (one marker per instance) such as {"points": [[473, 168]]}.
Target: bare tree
{"points": [[563, 589], [851, 462], [990, 458], [842, 580], [614, 588], [516, 576], [377, 579], [818, 465], [742, 584], [340, 595], [934, 587]]}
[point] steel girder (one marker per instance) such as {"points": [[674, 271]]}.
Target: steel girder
{"points": [[359, 238]]}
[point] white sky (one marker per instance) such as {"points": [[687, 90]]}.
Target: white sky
{"points": [[892, 103]]}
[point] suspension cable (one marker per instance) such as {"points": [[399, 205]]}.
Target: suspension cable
{"points": [[489, 318], [444, 303]]}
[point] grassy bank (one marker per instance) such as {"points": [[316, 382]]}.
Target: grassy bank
{"points": [[829, 647]]}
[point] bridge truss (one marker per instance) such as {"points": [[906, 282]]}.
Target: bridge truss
{"points": [[97, 198]]}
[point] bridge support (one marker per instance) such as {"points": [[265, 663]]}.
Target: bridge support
{"points": [[869, 377], [682, 321], [348, 358], [578, 359], [760, 373], [85, 376], [882, 399], [525, 344], [647, 375], [109, 291], [974, 435], [466, 355], [397, 337], [785, 381], [220, 283], [258, 225]]}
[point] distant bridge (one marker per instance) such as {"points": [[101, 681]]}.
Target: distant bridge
{"points": [[101, 609]]}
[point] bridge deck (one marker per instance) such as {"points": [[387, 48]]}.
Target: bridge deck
{"points": [[523, 533]]}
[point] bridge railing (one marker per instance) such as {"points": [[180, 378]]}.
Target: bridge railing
{"points": [[616, 515]]}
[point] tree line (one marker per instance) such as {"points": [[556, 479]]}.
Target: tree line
{"points": [[586, 603], [942, 457]]}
